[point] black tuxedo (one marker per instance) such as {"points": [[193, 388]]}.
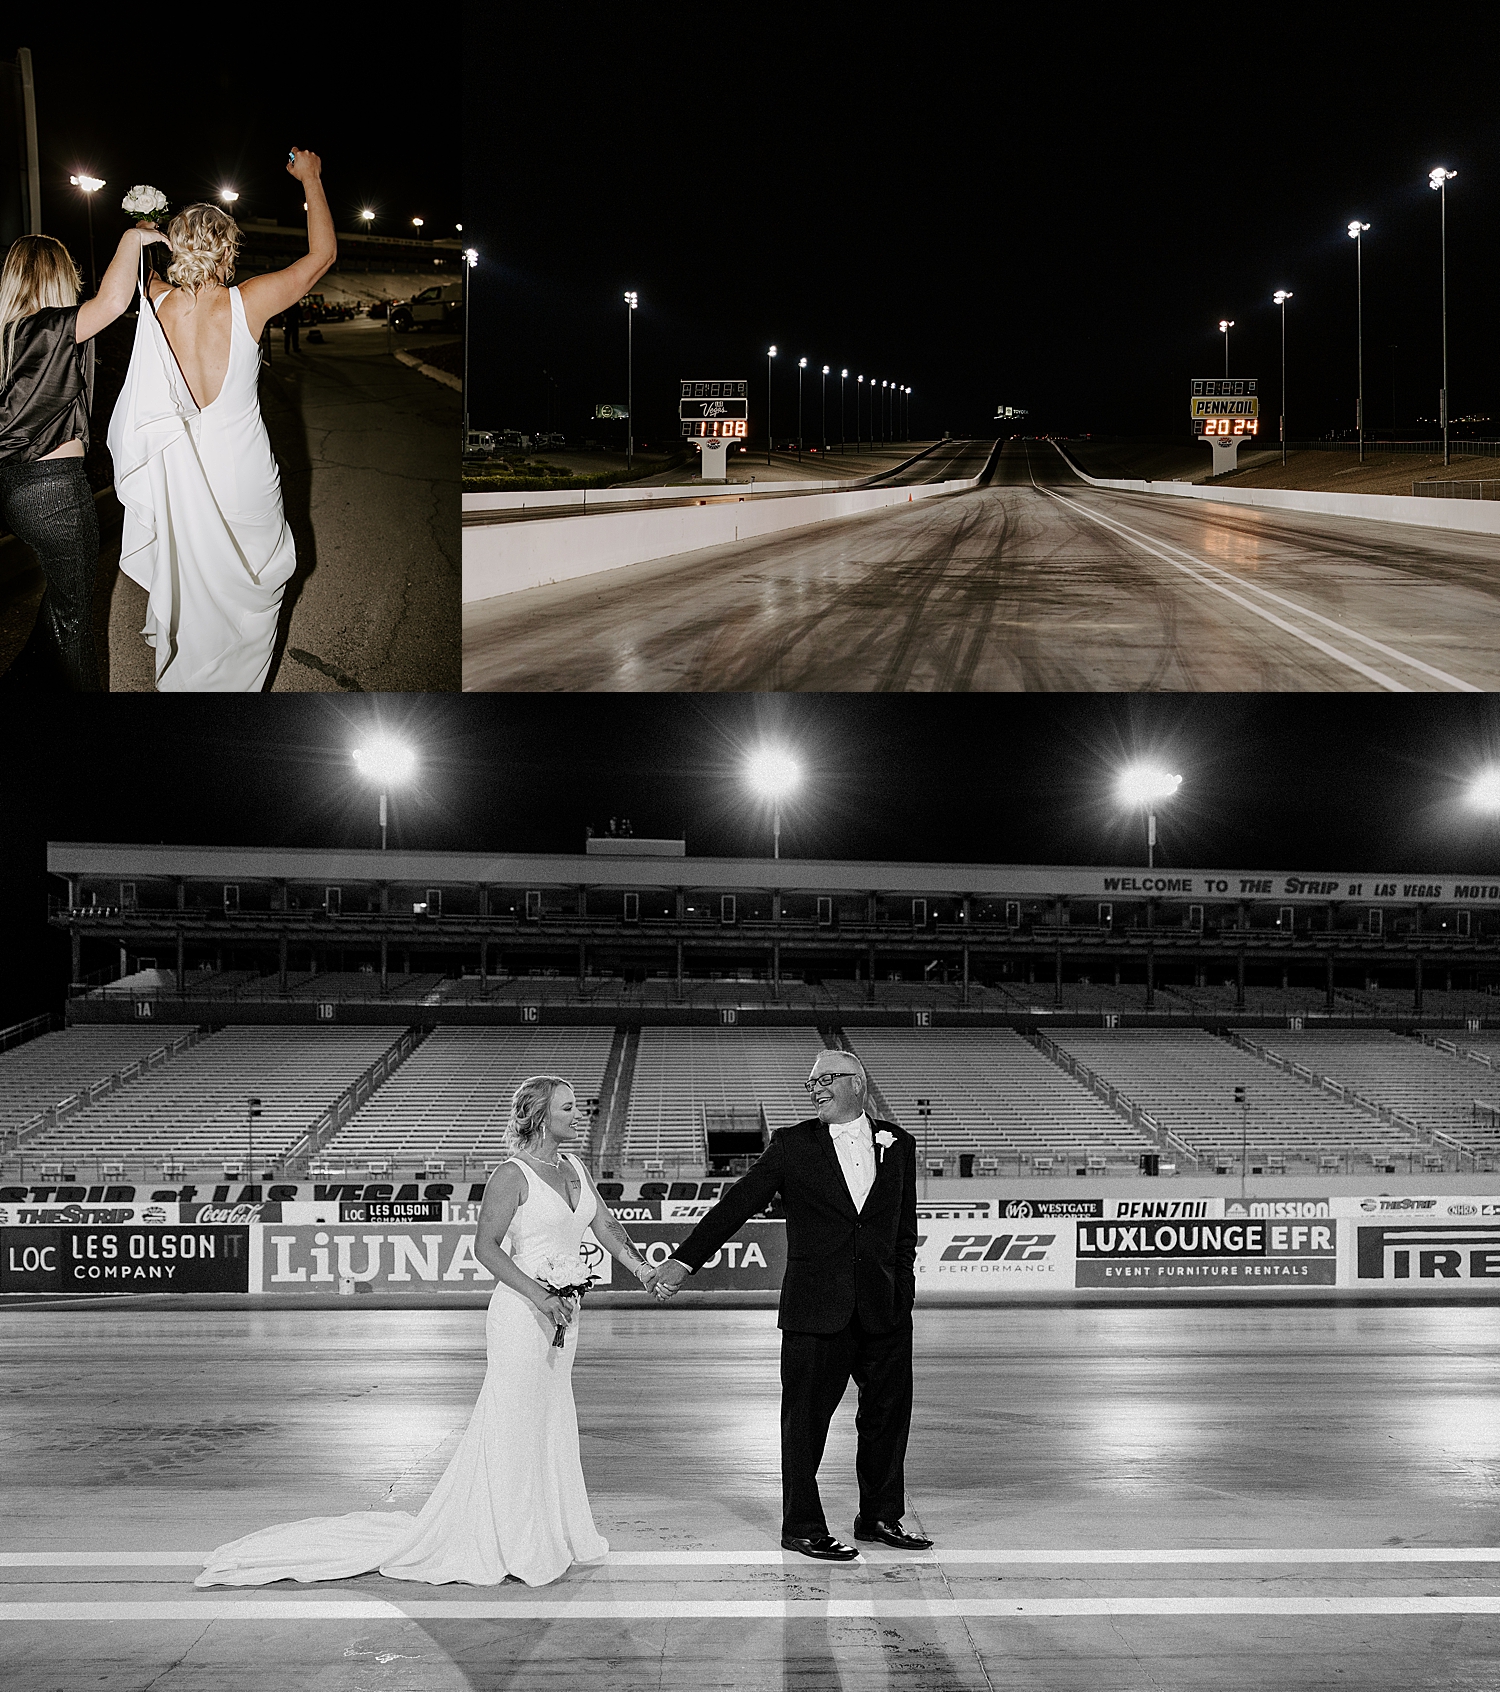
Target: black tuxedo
{"points": [[846, 1302]]}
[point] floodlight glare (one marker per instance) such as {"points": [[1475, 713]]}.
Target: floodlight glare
{"points": [[471, 256], [1281, 296], [385, 760], [802, 364], [1356, 229], [632, 299], [229, 195], [771, 353], [1484, 791], [1438, 175], [368, 215], [1225, 324], [773, 774], [843, 373], [825, 369], [89, 184], [1143, 784], [416, 222]]}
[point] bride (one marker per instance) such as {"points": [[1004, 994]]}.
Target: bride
{"points": [[512, 1500], [204, 533]]}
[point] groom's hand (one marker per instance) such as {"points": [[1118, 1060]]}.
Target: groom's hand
{"points": [[669, 1277]]}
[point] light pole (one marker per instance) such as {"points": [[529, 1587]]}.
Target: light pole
{"points": [[417, 223], [632, 300], [367, 217], [771, 353], [907, 403], [773, 774], [1439, 177], [1356, 230], [859, 383], [1280, 297], [843, 378], [1225, 325], [89, 185], [801, 366], [1147, 785], [471, 258], [384, 761], [825, 408]]}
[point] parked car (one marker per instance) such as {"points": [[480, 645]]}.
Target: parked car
{"points": [[512, 440], [434, 307], [482, 443], [552, 440]]}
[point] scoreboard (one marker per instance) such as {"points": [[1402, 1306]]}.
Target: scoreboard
{"points": [[714, 411], [1224, 405]]}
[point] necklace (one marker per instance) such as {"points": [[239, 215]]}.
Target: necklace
{"points": [[556, 1162]]}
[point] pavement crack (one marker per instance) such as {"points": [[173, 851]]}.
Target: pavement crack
{"points": [[313, 662], [177, 1664]]}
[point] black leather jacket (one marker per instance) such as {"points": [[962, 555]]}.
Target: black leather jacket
{"points": [[50, 387]]}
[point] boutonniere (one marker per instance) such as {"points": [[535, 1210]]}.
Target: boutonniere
{"points": [[883, 1139]]}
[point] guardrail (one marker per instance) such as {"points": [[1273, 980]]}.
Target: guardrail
{"points": [[50, 1115], [32, 1029], [1456, 490], [1126, 1108]]}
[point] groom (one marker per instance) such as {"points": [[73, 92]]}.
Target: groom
{"points": [[850, 1193]]}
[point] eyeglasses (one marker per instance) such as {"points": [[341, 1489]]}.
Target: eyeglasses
{"points": [[829, 1077]]}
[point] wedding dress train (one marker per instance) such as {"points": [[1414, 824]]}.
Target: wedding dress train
{"points": [[205, 534], [512, 1501]]}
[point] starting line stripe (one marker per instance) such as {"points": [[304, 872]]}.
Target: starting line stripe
{"points": [[775, 1556], [775, 1609]]}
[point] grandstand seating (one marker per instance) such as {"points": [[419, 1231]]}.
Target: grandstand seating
{"points": [[450, 1100], [993, 1094], [681, 1071], [1426, 1085], [301, 985], [47, 1070], [193, 1109], [1186, 1080]]}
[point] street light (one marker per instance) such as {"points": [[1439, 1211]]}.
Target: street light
{"points": [[89, 186], [471, 258], [801, 366], [1147, 785], [229, 195], [368, 218], [416, 222], [859, 383], [1225, 325], [632, 300], [1439, 177], [384, 761], [770, 439], [843, 378], [1280, 297], [773, 774], [1356, 230], [825, 408]]}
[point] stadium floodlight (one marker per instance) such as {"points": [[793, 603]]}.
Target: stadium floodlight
{"points": [[368, 216], [386, 762], [1439, 177], [1225, 325], [1280, 297], [773, 774], [770, 438], [1484, 791], [632, 303], [1356, 231], [88, 186], [229, 195], [1147, 785], [416, 222]]}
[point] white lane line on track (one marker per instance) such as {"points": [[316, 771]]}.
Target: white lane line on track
{"points": [[758, 1555], [1198, 565], [757, 1609]]}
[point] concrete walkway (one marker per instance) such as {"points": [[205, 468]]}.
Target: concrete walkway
{"points": [[368, 450]]}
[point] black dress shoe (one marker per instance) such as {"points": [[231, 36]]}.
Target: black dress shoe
{"points": [[890, 1533], [824, 1546]]}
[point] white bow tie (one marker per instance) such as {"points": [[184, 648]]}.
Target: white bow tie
{"points": [[847, 1130]]}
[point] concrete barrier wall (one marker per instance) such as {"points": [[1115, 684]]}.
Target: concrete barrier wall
{"points": [[1469, 516], [545, 499], [508, 557]]}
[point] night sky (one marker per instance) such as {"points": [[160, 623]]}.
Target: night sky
{"points": [[1054, 215], [1273, 782], [139, 101]]}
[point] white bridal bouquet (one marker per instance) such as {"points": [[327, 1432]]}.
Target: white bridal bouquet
{"points": [[568, 1277], [145, 203]]}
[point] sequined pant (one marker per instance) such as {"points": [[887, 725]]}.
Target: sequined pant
{"points": [[49, 505]]}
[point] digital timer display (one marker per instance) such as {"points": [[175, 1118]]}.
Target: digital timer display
{"points": [[1226, 426], [716, 429], [1224, 406]]}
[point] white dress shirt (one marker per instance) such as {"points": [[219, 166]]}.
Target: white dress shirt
{"points": [[854, 1142]]}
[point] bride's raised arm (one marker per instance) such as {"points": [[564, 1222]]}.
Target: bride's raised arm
{"points": [[116, 286], [264, 296]]}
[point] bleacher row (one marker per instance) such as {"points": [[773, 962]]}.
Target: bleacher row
{"points": [[1097, 1095]]}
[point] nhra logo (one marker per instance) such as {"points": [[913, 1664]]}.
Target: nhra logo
{"points": [[1463, 1209]]}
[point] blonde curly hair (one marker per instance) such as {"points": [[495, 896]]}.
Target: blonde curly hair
{"points": [[205, 242], [529, 1105]]}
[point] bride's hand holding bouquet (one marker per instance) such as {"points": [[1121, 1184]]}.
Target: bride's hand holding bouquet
{"points": [[564, 1280]]}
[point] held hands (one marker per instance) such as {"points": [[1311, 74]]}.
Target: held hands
{"points": [[305, 166], [669, 1277]]}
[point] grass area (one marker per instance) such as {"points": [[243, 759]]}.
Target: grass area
{"points": [[524, 475]]}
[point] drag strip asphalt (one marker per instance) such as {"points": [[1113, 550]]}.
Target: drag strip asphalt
{"points": [[1034, 581]]}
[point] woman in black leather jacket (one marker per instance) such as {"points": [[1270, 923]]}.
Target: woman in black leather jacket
{"points": [[46, 388]]}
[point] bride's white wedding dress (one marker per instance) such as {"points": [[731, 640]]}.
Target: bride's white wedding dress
{"points": [[205, 534], [512, 1501]]}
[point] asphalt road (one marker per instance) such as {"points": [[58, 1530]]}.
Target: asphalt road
{"points": [[1035, 581]]}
